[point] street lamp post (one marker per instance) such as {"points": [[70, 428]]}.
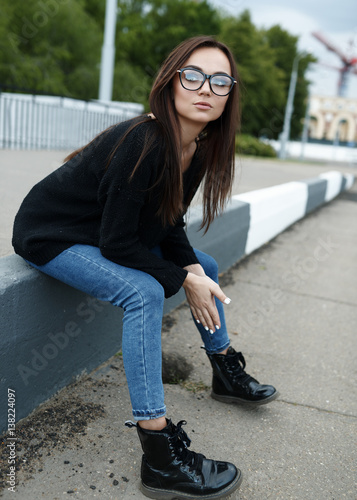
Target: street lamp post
{"points": [[108, 52], [284, 138], [305, 131]]}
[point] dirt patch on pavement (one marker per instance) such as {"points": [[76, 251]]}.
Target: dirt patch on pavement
{"points": [[50, 428]]}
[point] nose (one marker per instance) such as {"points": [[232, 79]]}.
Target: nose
{"points": [[205, 89]]}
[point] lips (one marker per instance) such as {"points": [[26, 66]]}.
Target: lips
{"points": [[203, 105]]}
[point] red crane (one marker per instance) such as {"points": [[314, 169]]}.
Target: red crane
{"points": [[349, 64]]}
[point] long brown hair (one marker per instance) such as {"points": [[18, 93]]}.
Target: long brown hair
{"points": [[216, 144]]}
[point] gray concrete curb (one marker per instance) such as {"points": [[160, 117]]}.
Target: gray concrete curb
{"points": [[50, 333]]}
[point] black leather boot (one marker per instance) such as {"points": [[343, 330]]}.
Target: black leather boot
{"points": [[230, 383], [169, 470]]}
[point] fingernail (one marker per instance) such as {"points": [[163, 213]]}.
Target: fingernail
{"points": [[198, 321], [211, 331], [217, 327], [227, 301], [206, 328]]}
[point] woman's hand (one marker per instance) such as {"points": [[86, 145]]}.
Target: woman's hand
{"points": [[201, 292], [195, 269]]}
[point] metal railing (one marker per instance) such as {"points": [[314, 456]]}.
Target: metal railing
{"points": [[45, 122]]}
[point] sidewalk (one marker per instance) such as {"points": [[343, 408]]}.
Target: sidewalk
{"points": [[294, 316]]}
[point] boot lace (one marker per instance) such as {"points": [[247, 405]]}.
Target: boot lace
{"points": [[180, 442], [235, 365]]}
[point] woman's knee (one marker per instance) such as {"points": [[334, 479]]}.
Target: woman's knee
{"points": [[209, 264], [152, 292], [146, 292]]}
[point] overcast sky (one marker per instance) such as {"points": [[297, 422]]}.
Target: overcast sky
{"points": [[335, 19]]}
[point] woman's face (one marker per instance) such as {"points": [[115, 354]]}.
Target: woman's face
{"points": [[201, 106]]}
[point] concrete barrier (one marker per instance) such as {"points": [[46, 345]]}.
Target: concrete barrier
{"points": [[50, 333], [275, 208]]}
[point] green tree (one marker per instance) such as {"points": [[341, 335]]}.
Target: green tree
{"points": [[131, 84], [10, 56], [262, 87], [285, 47], [96, 10], [55, 48], [148, 30]]}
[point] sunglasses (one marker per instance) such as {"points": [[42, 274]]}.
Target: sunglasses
{"points": [[193, 79]]}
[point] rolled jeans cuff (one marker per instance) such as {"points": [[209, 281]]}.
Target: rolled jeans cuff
{"points": [[215, 350], [149, 414]]}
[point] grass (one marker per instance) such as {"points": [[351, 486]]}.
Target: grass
{"points": [[194, 387]]}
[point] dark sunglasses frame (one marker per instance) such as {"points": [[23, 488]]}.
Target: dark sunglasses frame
{"points": [[206, 77]]}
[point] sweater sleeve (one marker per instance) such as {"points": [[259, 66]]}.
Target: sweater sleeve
{"points": [[177, 248], [122, 202]]}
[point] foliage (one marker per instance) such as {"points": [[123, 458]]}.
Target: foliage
{"points": [[131, 83], [285, 47], [48, 48], [262, 81], [147, 30], [265, 59], [54, 47], [249, 145]]}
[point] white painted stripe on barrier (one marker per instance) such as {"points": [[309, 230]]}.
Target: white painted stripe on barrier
{"points": [[334, 183], [272, 210]]}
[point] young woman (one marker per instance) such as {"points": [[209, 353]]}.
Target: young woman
{"points": [[110, 223]]}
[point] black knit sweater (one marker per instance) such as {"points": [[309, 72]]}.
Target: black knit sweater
{"points": [[85, 202]]}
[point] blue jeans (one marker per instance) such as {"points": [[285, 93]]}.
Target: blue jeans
{"points": [[142, 298]]}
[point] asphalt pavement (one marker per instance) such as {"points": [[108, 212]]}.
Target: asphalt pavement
{"points": [[294, 316]]}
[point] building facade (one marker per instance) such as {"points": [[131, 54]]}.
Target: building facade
{"points": [[333, 119]]}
